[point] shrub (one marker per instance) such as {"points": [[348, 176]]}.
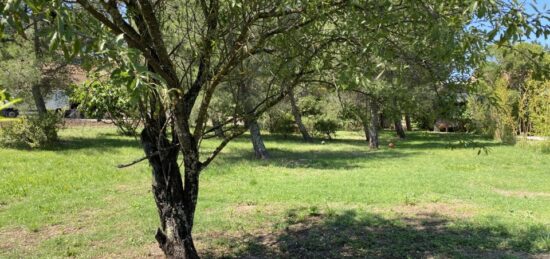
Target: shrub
{"points": [[281, 123], [326, 126], [491, 112], [109, 100], [31, 132]]}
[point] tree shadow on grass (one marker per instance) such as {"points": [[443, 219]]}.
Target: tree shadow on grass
{"points": [[318, 159], [98, 144], [351, 235]]}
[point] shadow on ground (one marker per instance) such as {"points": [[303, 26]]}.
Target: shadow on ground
{"points": [[374, 236], [324, 159]]}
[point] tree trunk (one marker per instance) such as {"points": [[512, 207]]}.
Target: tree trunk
{"points": [[374, 124], [408, 122], [36, 88], [298, 117], [176, 205], [366, 130], [399, 128], [257, 141], [39, 100]]}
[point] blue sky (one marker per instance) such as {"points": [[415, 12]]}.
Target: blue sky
{"points": [[543, 6]]}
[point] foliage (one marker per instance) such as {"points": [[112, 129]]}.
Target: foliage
{"points": [[538, 108], [478, 112], [310, 105], [6, 101], [280, 122], [326, 126], [491, 111], [31, 132], [514, 92], [108, 100], [505, 128]]}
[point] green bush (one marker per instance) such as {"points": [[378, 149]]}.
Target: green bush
{"points": [[109, 100], [281, 123], [326, 126], [31, 132]]}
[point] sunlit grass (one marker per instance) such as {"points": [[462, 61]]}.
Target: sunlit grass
{"points": [[71, 200]]}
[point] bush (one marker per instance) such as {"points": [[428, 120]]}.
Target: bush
{"points": [[31, 132], [491, 112], [109, 100], [326, 126], [281, 123]]}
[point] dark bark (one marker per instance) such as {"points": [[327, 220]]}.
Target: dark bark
{"points": [[39, 100], [374, 124], [257, 141], [298, 117], [399, 128], [408, 122], [174, 208]]}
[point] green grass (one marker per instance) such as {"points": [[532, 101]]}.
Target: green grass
{"points": [[430, 196]]}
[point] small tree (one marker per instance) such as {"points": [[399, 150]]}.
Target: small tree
{"points": [[109, 100]]}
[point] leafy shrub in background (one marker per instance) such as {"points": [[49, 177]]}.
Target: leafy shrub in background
{"points": [[31, 132], [280, 122], [326, 126], [538, 95], [491, 111], [109, 100]]}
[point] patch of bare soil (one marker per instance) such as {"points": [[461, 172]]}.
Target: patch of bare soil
{"points": [[25, 240], [452, 210], [522, 194], [148, 251]]}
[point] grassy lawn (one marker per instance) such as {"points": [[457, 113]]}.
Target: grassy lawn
{"points": [[420, 199]]}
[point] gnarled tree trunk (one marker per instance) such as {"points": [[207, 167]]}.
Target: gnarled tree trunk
{"points": [[257, 141], [175, 207], [298, 117]]}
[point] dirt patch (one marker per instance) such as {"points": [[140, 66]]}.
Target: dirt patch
{"points": [[25, 240], [453, 210], [151, 250], [250, 208], [522, 194]]}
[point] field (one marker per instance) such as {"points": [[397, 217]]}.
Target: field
{"points": [[431, 196]]}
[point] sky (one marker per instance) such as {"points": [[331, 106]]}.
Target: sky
{"points": [[542, 5]]}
